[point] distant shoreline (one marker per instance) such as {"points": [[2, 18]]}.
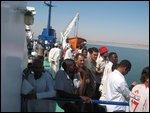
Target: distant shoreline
{"points": [[135, 46]]}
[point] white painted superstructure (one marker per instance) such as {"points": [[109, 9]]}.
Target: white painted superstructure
{"points": [[13, 53]]}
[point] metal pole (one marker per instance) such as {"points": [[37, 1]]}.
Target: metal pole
{"points": [[49, 18]]}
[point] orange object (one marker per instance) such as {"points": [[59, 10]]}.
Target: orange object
{"points": [[75, 41]]}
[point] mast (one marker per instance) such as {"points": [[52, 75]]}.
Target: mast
{"points": [[64, 35], [49, 16]]}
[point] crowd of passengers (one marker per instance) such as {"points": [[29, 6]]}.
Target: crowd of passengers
{"points": [[81, 75]]}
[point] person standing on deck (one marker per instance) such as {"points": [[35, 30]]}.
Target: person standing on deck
{"points": [[113, 59], [61, 55], [35, 48], [91, 65], [85, 52], [41, 49], [35, 45], [29, 46], [36, 86], [89, 51], [101, 60], [69, 54], [81, 46], [65, 88], [141, 91], [117, 88], [84, 81], [53, 58], [85, 77]]}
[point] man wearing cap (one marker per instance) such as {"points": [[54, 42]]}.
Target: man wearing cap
{"points": [[102, 59], [69, 53], [54, 57]]}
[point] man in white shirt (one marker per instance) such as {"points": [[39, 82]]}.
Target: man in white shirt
{"points": [[37, 86], [54, 57], [113, 59], [117, 88], [69, 54]]}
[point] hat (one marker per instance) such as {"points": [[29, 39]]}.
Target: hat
{"points": [[103, 50], [34, 53], [46, 42], [30, 60], [56, 44], [84, 42]]}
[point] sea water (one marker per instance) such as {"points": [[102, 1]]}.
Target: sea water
{"points": [[138, 57]]}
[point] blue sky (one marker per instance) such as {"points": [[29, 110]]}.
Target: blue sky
{"points": [[108, 21]]}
